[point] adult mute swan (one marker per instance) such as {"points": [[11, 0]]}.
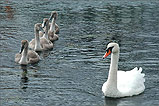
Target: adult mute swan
{"points": [[26, 56], [40, 44], [121, 83]]}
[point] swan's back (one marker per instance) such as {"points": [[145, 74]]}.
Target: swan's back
{"points": [[17, 57], [33, 57], [46, 44], [32, 44], [131, 82]]}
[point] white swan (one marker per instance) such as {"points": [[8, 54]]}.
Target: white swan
{"points": [[121, 83], [26, 56], [40, 44]]}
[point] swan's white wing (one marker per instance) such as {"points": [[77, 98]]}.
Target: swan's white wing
{"points": [[131, 82]]}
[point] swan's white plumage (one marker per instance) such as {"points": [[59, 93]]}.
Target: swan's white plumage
{"points": [[128, 83], [131, 82]]}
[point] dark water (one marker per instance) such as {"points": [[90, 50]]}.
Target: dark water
{"points": [[72, 73]]}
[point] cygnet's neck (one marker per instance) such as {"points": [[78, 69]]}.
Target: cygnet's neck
{"points": [[112, 77], [37, 41], [52, 27], [46, 32], [24, 57]]}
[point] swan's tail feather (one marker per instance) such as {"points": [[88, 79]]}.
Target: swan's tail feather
{"points": [[143, 75], [140, 69], [135, 69], [144, 80]]}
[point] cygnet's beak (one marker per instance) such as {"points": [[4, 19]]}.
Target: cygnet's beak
{"points": [[22, 47], [51, 17]]}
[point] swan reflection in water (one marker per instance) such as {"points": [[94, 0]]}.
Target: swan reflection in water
{"points": [[24, 78], [111, 101], [122, 101]]}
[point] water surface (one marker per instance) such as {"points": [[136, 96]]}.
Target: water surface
{"points": [[72, 73]]}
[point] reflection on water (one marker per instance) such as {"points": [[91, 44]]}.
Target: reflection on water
{"points": [[9, 11], [24, 78], [112, 102], [73, 72], [127, 101]]}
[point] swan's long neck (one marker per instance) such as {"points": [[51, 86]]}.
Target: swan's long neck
{"points": [[24, 58], [46, 32], [112, 77], [52, 27], [37, 41]]}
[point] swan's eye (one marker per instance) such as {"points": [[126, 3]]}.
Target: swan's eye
{"points": [[110, 48], [108, 52]]}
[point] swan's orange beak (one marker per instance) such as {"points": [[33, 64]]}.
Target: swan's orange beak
{"points": [[107, 54]]}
